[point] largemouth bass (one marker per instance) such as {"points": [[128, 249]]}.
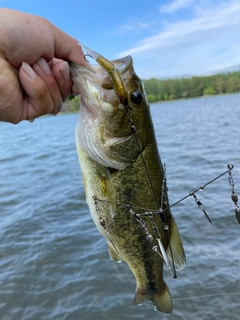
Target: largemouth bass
{"points": [[123, 176]]}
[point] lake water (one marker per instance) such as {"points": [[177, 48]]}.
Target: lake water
{"points": [[53, 262]]}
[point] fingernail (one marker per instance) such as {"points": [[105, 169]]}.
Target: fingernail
{"points": [[65, 71], [42, 63], [29, 71]]}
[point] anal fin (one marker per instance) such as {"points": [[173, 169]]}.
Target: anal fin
{"points": [[175, 250]]}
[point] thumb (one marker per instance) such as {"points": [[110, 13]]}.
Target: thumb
{"points": [[66, 47]]}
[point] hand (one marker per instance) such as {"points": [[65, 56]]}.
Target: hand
{"points": [[34, 73]]}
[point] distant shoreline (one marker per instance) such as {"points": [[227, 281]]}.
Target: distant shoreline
{"points": [[172, 89], [153, 102], [206, 96]]}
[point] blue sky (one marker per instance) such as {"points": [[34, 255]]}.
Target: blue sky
{"points": [[165, 38]]}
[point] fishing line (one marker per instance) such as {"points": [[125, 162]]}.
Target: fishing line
{"points": [[234, 196], [134, 131], [208, 295], [148, 211], [159, 203], [202, 187]]}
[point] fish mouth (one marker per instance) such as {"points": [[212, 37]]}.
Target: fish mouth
{"points": [[98, 83], [97, 71], [103, 126]]}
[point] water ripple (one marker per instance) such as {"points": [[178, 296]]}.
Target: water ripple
{"points": [[55, 265]]}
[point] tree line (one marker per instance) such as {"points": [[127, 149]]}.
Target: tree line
{"points": [[162, 90]]}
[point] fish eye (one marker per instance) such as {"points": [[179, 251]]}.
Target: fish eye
{"points": [[136, 97]]}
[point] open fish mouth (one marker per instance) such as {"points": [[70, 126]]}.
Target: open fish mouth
{"points": [[106, 80]]}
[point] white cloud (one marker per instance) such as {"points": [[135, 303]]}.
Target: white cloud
{"points": [[192, 46], [178, 33], [175, 5], [133, 25], [227, 60]]}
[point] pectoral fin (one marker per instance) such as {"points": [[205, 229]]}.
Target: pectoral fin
{"points": [[111, 194], [113, 255]]}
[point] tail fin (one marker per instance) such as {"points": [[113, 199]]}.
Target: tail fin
{"points": [[162, 300]]}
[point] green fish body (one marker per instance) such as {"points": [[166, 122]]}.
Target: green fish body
{"points": [[124, 179]]}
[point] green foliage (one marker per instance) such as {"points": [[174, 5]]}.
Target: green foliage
{"points": [[151, 97], [160, 90], [208, 90]]}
